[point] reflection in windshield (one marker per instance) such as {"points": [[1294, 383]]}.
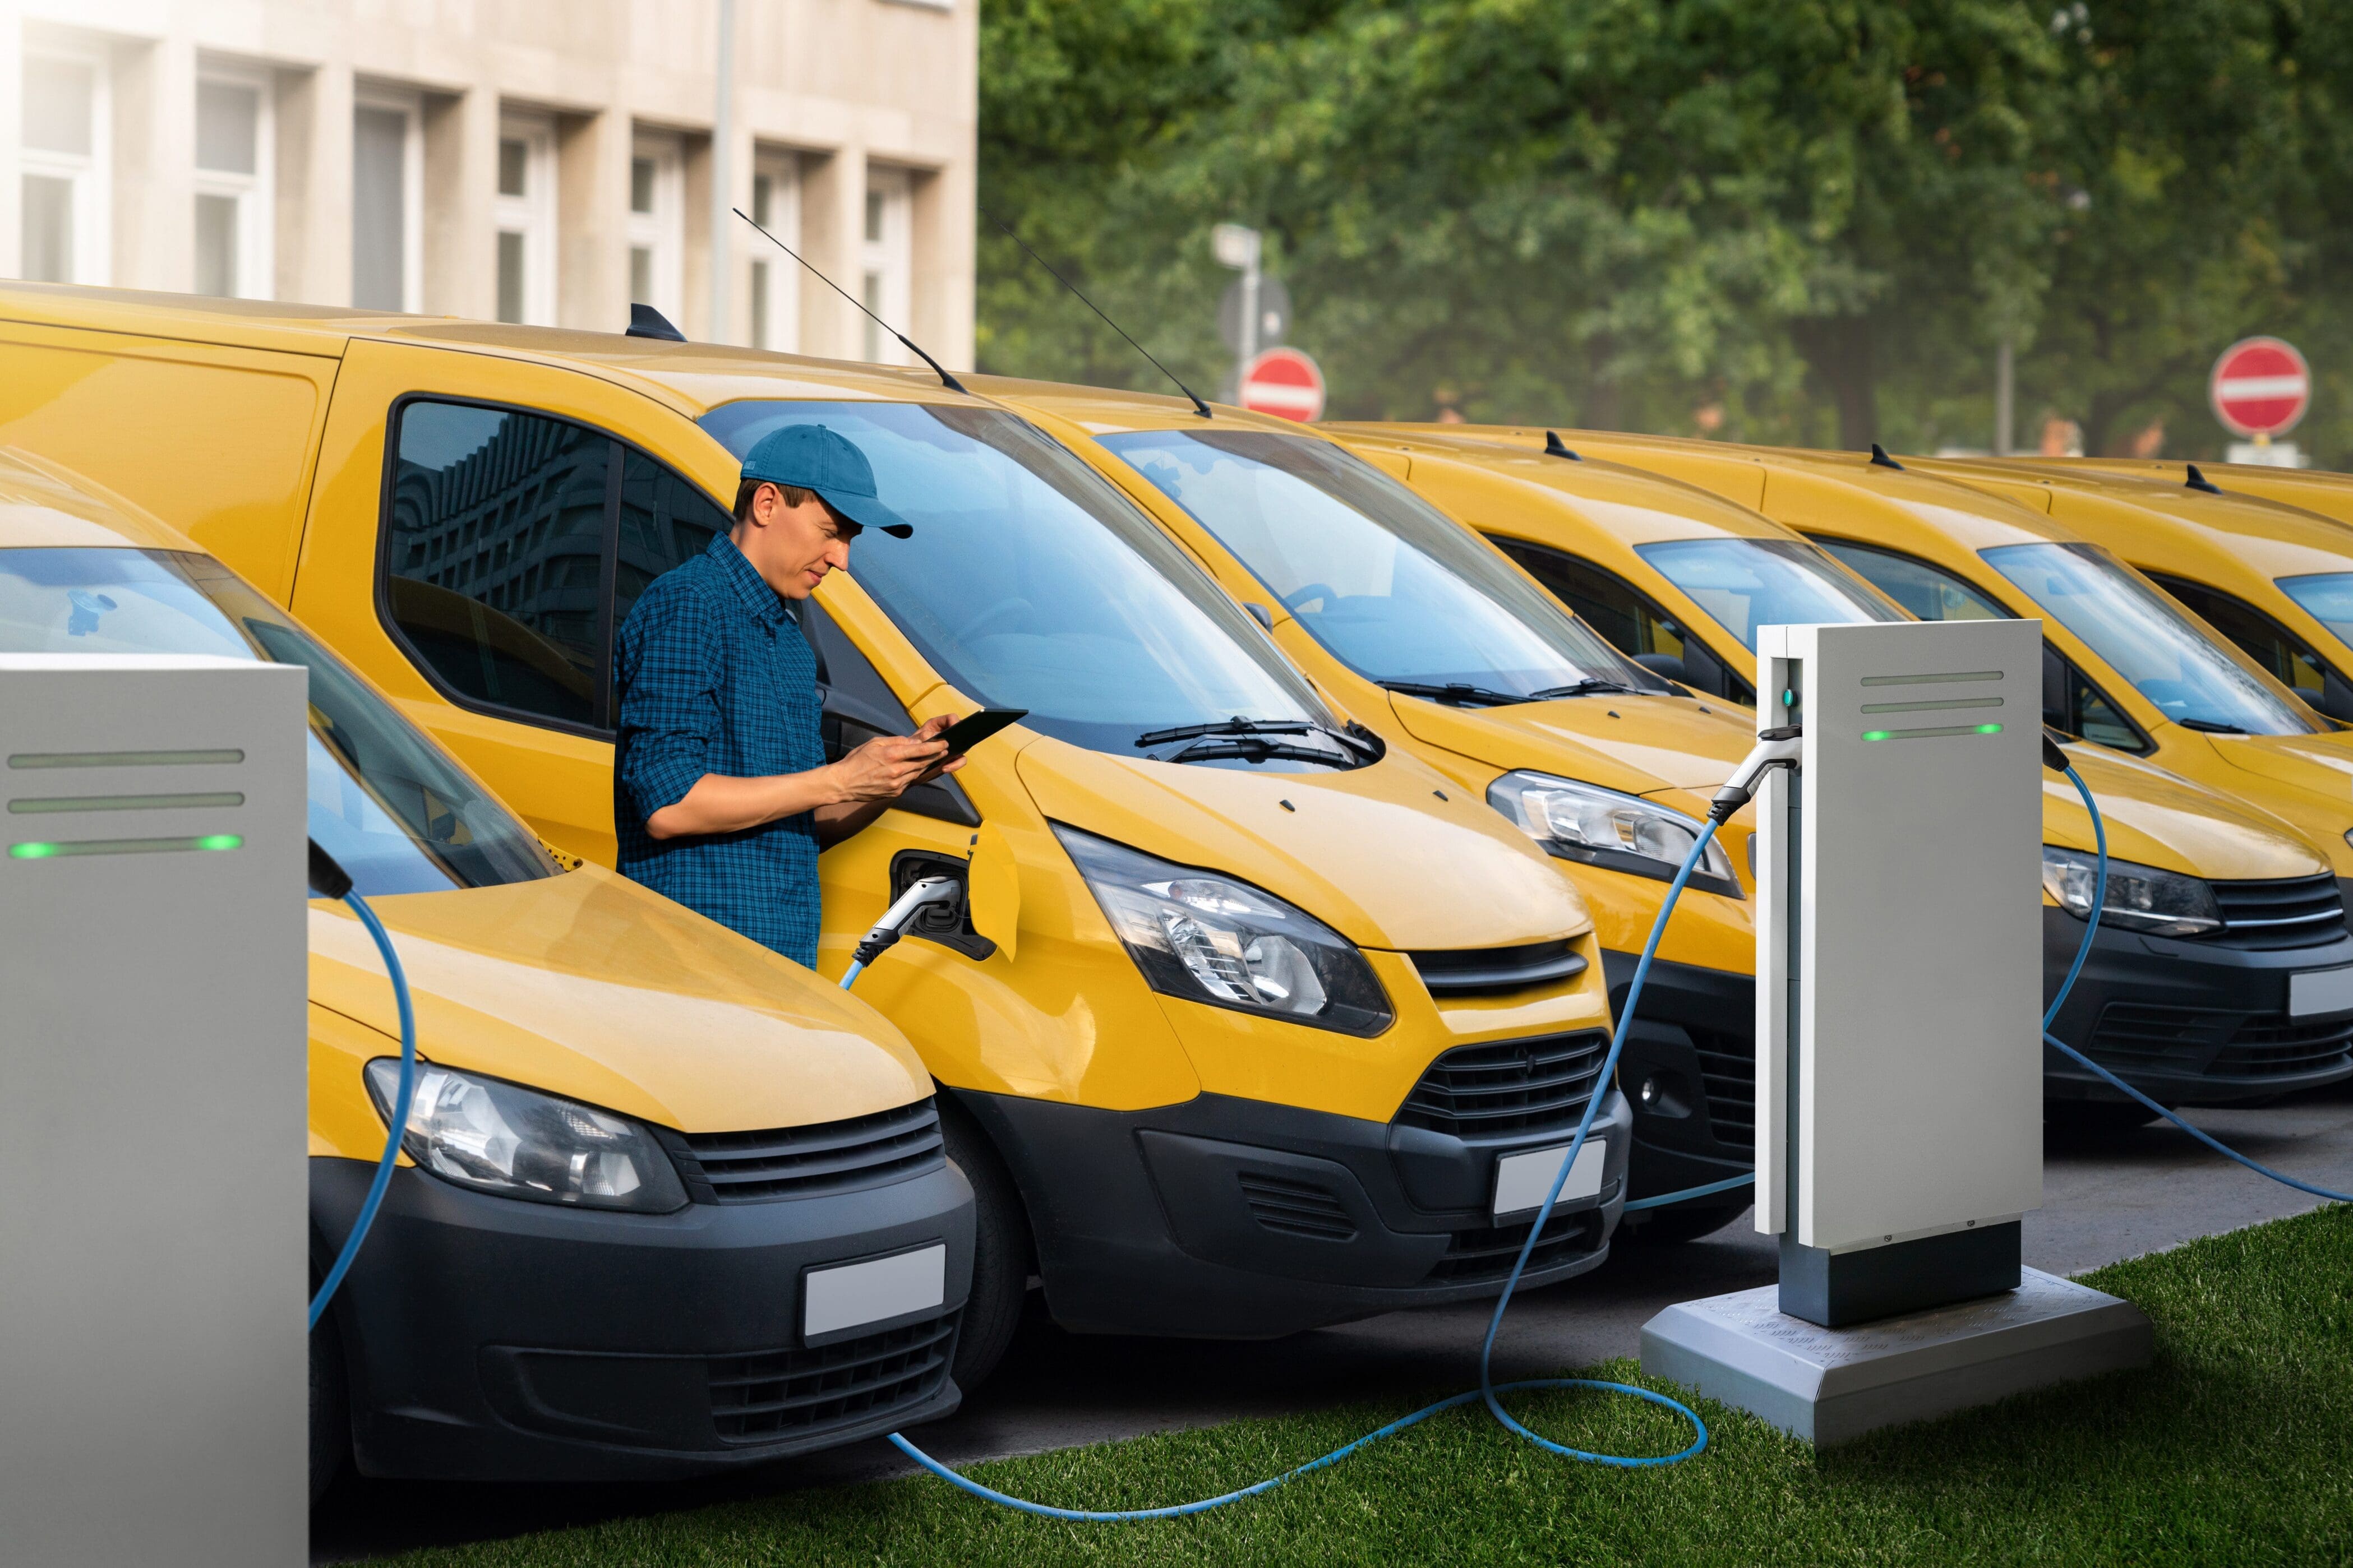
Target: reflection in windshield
{"points": [[1929, 594], [1745, 583], [384, 801], [1031, 582], [1396, 591], [2148, 640], [2326, 597]]}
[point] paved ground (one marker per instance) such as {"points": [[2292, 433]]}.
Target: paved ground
{"points": [[2105, 1197]]}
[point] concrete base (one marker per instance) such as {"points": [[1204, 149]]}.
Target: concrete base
{"points": [[1831, 1386]]}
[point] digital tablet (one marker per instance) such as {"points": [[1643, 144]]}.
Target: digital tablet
{"points": [[974, 728]]}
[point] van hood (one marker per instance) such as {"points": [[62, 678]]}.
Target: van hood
{"points": [[589, 986], [2156, 819], [1389, 856], [1672, 749], [2319, 772]]}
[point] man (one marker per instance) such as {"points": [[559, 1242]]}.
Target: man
{"points": [[722, 794]]}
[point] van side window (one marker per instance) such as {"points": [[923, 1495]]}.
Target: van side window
{"points": [[2073, 706], [666, 522], [1634, 624], [494, 555], [860, 705], [2268, 643]]}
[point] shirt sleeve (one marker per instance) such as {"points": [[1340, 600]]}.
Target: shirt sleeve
{"points": [[670, 716]]}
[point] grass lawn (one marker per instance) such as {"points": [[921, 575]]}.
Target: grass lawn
{"points": [[2235, 1446]]}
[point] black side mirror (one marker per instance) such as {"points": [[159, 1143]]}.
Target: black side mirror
{"points": [[1664, 663]]}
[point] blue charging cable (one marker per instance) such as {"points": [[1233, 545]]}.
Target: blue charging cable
{"points": [[1488, 1390], [332, 880]]}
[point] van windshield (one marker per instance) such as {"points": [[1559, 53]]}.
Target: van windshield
{"points": [[1393, 587], [1745, 584], [2192, 679], [1031, 583], [393, 810]]}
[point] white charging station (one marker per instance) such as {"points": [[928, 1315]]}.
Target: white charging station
{"points": [[1899, 1070], [154, 1210]]}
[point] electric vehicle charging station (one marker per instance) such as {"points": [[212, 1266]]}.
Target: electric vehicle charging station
{"points": [[1899, 1096], [153, 1201]]}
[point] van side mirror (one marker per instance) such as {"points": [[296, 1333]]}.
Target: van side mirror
{"points": [[1664, 663]]}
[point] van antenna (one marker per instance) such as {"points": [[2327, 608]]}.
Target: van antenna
{"points": [[952, 384], [1199, 408]]}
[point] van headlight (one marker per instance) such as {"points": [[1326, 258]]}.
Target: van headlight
{"points": [[2140, 897], [1209, 938], [500, 1138], [1597, 826]]}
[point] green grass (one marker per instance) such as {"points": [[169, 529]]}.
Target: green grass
{"points": [[2235, 1446]]}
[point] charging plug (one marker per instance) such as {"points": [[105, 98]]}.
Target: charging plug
{"points": [[1775, 748], [328, 880], [902, 914]]}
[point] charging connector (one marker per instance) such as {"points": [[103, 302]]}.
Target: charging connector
{"points": [[1775, 748]]}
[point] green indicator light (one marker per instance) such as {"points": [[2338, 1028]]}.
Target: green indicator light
{"points": [[1988, 728], [230, 840], [31, 851], [1877, 734]]}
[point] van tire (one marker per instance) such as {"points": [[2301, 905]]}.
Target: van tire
{"points": [[1683, 1222], [330, 1420], [1001, 1250]]}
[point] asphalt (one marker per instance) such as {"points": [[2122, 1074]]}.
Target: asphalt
{"points": [[2106, 1196]]}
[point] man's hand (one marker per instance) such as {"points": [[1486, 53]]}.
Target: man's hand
{"points": [[888, 765]]}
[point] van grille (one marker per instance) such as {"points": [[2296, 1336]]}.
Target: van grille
{"points": [[1487, 1253], [1297, 1208], [1727, 1070], [781, 1394], [2269, 1045], [808, 1162], [2210, 1041], [1462, 971], [1507, 1086], [2295, 911]]}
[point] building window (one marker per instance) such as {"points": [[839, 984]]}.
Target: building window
{"points": [[526, 220], [657, 223], [776, 294], [387, 202], [64, 161], [889, 261], [233, 184]]}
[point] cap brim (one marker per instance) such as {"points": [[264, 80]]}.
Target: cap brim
{"points": [[868, 513]]}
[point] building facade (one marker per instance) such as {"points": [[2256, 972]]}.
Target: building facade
{"points": [[547, 161]]}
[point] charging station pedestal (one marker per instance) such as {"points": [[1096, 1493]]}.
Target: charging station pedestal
{"points": [[1899, 1058], [153, 1194]]}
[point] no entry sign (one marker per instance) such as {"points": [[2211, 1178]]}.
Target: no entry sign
{"points": [[1284, 382], [2261, 387]]}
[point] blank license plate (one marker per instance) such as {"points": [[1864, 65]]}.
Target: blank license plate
{"points": [[871, 1291], [2319, 991], [1523, 1180]]}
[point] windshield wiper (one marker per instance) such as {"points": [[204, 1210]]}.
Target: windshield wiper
{"points": [[2211, 726], [1234, 726], [1248, 748], [1593, 686], [1460, 691]]}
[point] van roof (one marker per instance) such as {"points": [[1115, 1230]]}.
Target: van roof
{"points": [[43, 506], [694, 377]]}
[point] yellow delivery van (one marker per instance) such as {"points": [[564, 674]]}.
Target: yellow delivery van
{"points": [[636, 1138], [1248, 1022], [2190, 1012]]}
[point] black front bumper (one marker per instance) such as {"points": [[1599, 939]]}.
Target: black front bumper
{"points": [[1690, 1072], [2189, 1023], [1229, 1218], [486, 1339]]}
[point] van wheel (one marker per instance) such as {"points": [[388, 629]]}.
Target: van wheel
{"points": [[330, 1421], [1001, 1250], [1683, 1222]]}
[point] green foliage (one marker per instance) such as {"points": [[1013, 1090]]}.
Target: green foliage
{"points": [[1815, 219]]}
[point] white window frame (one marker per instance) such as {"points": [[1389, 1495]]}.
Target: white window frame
{"points": [[889, 258], [532, 215], [91, 176], [409, 103], [780, 298], [254, 193], [664, 230]]}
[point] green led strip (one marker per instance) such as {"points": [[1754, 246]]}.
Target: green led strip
{"points": [[122, 847], [1944, 730]]}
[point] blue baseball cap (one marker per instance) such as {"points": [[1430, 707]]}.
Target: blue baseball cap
{"points": [[817, 459]]}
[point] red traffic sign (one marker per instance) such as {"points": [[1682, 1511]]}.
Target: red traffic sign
{"points": [[2261, 387], [1284, 382]]}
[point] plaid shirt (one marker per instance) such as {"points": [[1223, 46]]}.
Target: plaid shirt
{"points": [[713, 676]]}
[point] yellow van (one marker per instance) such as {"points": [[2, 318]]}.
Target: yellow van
{"points": [[1245, 1024], [2275, 578], [636, 1134], [1404, 618], [1678, 574]]}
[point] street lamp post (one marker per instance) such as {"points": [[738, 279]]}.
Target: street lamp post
{"points": [[1237, 246]]}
